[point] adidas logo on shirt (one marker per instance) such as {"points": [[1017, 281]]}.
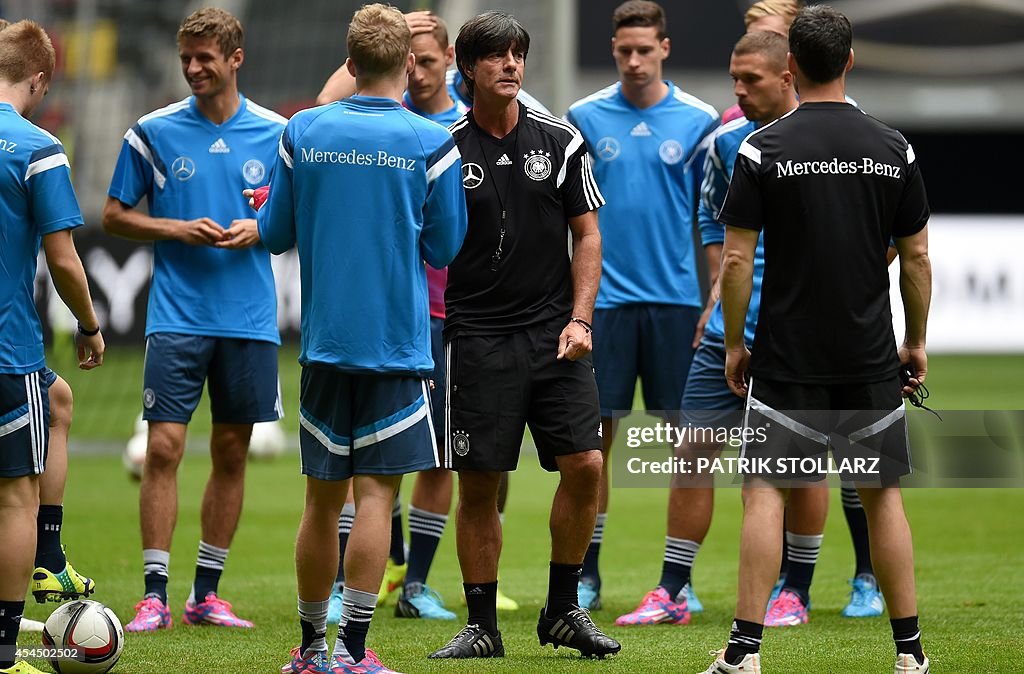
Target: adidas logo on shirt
{"points": [[219, 147], [504, 161], [640, 129]]}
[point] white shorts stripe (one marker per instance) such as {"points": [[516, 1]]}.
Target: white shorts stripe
{"points": [[430, 424], [780, 418], [37, 421], [879, 426], [395, 428], [332, 447], [448, 405], [15, 425]]}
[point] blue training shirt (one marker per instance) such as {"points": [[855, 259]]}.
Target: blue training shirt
{"points": [[724, 147], [36, 199], [366, 190], [648, 163], [188, 167]]}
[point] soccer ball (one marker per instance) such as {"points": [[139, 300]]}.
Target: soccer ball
{"points": [[92, 629], [134, 455], [267, 441]]}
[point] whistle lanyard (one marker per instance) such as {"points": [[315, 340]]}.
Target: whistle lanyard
{"points": [[496, 257]]}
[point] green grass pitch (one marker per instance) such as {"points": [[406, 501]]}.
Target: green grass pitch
{"points": [[969, 546]]}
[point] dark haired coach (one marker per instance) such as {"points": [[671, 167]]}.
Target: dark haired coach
{"points": [[517, 335], [830, 186]]}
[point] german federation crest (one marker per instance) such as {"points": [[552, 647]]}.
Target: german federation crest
{"points": [[671, 152], [460, 442], [538, 165], [253, 171]]}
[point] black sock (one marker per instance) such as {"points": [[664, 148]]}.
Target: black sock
{"points": [[907, 635], [744, 639], [156, 586], [348, 515], [356, 614], [802, 553], [397, 553], [425, 531], [677, 564], [209, 567], [563, 580], [481, 600], [10, 622], [590, 561], [309, 635], [857, 522], [48, 552]]}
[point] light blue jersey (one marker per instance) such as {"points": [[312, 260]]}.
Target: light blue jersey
{"points": [[36, 199], [366, 190], [188, 167], [725, 144], [648, 163], [453, 78]]}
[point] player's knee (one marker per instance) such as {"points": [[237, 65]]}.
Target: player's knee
{"points": [[165, 450], [478, 489], [582, 469]]}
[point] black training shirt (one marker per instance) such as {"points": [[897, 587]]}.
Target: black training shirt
{"points": [[540, 175], [830, 186]]}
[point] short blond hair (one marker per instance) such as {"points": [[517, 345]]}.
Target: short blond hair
{"points": [[378, 40], [4, 23], [25, 49], [787, 9], [216, 23]]}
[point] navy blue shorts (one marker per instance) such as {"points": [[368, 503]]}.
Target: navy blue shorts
{"points": [[649, 341], [241, 375], [438, 393], [24, 422], [364, 424], [707, 399]]}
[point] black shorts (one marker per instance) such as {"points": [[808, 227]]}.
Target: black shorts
{"points": [[790, 427], [498, 384]]}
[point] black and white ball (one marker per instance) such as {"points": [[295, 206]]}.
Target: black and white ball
{"points": [[92, 629]]}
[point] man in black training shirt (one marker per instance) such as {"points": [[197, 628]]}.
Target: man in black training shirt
{"points": [[830, 186], [517, 335]]}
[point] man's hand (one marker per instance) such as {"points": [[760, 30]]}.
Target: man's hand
{"points": [[736, 363], [200, 232], [574, 342], [916, 360], [241, 234], [90, 350], [698, 334], [420, 22], [257, 197]]}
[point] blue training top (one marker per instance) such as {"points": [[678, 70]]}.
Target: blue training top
{"points": [[36, 199], [188, 167], [718, 167], [648, 163], [366, 190]]}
